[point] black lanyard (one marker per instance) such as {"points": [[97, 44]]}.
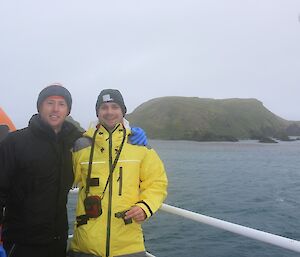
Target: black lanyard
{"points": [[87, 191]]}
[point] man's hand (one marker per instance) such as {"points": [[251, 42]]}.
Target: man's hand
{"points": [[136, 213]]}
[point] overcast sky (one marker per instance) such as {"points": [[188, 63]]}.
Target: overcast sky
{"points": [[147, 49]]}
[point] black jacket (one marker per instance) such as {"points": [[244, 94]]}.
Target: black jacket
{"points": [[35, 178]]}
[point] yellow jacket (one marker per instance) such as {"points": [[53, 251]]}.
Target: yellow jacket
{"points": [[139, 178]]}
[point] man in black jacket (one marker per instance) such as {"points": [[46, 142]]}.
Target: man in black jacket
{"points": [[35, 178]]}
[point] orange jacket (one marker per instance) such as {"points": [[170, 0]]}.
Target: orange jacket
{"points": [[5, 120]]}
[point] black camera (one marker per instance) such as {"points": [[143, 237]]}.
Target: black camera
{"points": [[121, 214], [93, 206]]}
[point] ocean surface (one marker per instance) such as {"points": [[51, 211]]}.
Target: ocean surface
{"points": [[248, 183]]}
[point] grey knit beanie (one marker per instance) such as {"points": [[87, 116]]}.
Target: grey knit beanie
{"points": [[111, 95], [54, 90]]}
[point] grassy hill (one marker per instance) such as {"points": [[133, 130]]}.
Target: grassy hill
{"points": [[193, 118]]}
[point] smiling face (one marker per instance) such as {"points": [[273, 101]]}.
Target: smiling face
{"points": [[53, 111], [110, 114]]}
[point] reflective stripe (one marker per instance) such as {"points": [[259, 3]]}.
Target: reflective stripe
{"points": [[92, 162], [129, 161], [118, 161]]}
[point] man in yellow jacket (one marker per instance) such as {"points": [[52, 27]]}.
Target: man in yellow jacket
{"points": [[121, 185]]}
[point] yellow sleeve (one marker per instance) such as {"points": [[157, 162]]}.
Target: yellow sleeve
{"points": [[154, 182]]}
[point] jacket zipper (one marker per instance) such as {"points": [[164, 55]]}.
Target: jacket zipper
{"points": [[109, 197], [111, 169]]}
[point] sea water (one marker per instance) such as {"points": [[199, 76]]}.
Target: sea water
{"points": [[248, 183]]}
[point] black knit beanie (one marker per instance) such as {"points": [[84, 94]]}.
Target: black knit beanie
{"points": [[110, 95], [54, 90]]}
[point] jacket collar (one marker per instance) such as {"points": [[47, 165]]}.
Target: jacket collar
{"points": [[103, 134], [69, 133]]}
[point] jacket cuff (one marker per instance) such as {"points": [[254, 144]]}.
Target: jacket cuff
{"points": [[146, 208]]}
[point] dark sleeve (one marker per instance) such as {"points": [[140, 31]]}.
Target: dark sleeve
{"points": [[7, 167]]}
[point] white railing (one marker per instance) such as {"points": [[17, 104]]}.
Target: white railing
{"points": [[280, 241], [262, 236]]}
